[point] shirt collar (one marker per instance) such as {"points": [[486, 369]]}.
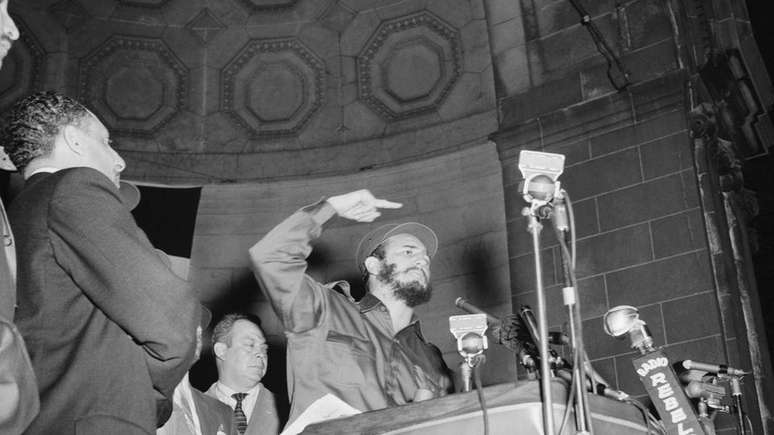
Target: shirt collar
{"points": [[228, 392], [47, 169], [183, 392], [369, 302]]}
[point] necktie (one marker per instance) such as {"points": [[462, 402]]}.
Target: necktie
{"points": [[239, 415]]}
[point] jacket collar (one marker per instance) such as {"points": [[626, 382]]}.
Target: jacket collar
{"points": [[370, 302]]}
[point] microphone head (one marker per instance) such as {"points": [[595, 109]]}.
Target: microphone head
{"points": [[472, 343], [618, 321], [513, 334], [540, 187]]}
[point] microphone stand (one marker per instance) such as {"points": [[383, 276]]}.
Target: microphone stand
{"points": [[736, 393], [570, 297], [534, 227]]}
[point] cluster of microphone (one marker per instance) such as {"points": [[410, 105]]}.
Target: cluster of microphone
{"points": [[519, 333]]}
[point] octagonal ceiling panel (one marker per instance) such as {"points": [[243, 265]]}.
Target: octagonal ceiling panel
{"points": [[211, 90], [409, 65], [272, 87], [136, 84]]}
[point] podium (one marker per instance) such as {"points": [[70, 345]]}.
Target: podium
{"points": [[512, 408]]}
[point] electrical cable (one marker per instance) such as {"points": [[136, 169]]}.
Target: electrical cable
{"points": [[650, 421], [571, 218], [568, 406], [579, 358], [481, 399], [569, 256], [603, 48], [569, 266]]}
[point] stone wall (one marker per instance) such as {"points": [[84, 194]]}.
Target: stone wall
{"points": [[649, 233]]}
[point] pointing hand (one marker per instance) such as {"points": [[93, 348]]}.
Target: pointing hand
{"points": [[360, 205]]}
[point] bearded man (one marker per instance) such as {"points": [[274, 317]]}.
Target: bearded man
{"points": [[370, 354]]}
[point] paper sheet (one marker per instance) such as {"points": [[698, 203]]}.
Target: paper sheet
{"points": [[325, 408]]}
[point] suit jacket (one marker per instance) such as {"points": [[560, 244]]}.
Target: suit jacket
{"points": [[110, 329], [215, 418], [264, 420], [18, 390], [214, 415]]}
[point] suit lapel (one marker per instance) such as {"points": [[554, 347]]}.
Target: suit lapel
{"points": [[262, 420], [205, 417]]}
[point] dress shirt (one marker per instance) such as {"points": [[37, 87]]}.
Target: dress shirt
{"points": [[184, 413], [49, 169], [248, 403]]}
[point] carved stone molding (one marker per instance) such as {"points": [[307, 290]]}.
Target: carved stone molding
{"points": [[153, 4], [336, 17], [70, 14], [136, 84], [409, 65], [268, 5], [738, 107], [273, 86], [205, 26], [22, 71]]}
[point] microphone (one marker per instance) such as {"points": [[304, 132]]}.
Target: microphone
{"points": [[464, 305], [718, 369], [557, 338], [469, 331], [599, 388], [540, 171], [507, 331], [696, 390], [539, 187]]}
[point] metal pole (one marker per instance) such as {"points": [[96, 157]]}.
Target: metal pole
{"points": [[582, 411], [570, 296], [736, 393], [535, 227]]}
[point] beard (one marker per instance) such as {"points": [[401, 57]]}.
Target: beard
{"points": [[413, 292]]}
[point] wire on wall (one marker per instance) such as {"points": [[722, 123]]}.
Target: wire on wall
{"points": [[616, 72]]}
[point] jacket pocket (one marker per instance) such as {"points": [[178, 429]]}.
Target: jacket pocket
{"points": [[348, 360]]}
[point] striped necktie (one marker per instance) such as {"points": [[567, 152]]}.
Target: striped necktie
{"points": [[239, 415]]}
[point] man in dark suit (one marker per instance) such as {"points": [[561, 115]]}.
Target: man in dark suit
{"points": [[19, 402], [110, 329], [240, 354]]}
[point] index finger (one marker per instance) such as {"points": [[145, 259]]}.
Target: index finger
{"points": [[383, 203]]}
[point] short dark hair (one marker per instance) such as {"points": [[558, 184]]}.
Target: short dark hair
{"points": [[33, 123], [222, 331]]}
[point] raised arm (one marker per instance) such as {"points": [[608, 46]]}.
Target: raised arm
{"points": [[279, 258]]}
